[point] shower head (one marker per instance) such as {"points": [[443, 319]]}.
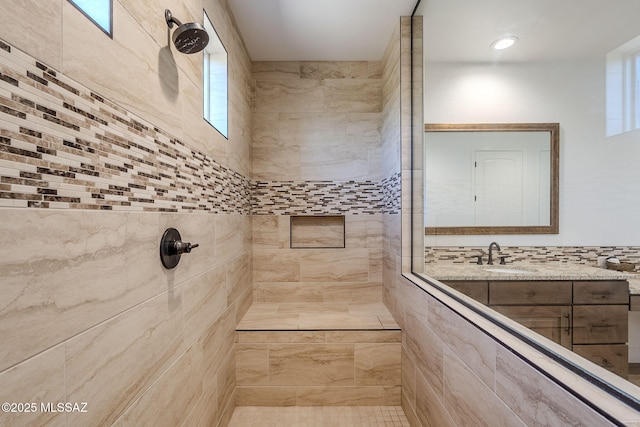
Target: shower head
{"points": [[187, 38]]}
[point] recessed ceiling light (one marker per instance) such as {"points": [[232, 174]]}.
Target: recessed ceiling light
{"points": [[504, 42]]}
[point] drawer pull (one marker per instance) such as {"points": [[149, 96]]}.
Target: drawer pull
{"points": [[568, 329]]}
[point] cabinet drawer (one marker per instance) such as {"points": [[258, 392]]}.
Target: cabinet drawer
{"points": [[478, 290], [530, 292], [601, 292], [614, 357], [600, 324]]}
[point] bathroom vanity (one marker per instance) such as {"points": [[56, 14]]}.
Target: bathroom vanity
{"points": [[582, 308]]}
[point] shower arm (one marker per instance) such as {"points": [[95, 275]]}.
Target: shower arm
{"points": [[170, 19]]}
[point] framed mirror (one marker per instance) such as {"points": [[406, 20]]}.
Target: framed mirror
{"points": [[491, 178]]}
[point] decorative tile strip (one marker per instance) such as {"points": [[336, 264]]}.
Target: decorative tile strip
{"points": [[391, 191], [587, 255], [63, 146], [316, 197]]}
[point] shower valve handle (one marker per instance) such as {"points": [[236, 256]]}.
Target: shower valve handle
{"points": [[180, 247]]}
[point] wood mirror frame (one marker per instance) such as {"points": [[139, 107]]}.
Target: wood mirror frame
{"points": [[554, 131]]}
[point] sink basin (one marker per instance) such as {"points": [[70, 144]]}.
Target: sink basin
{"points": [[508, 270]]}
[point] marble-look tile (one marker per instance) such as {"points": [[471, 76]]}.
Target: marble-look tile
{"points": [[352, 96], [347, 265], [269, 321], [339, 396], [311, 364], [238, 278], [535, 398], [339, 163], [45, 370], [429, 409], [469, 400], [334, 69], [377, 364], [392, 395], [363, 336], [312, 129], [226, 386], [351, 292], [363, 231], [276, 265], [364, 129], [266, 396], [426, 349], [283, 337], [59, 269], [264, 129], [317, 232], [289, 291], [172, 396], [275, 70], [204, 300], [205, 413], [271, 231], [408, 378], [476, 350], [289, 96], [45, 18], [217, 343], [252, 364], [146, 339], [229, 242], [338, 320], [276, 163]]}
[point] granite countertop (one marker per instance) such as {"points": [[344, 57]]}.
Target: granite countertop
{"points": [[525, 271]]}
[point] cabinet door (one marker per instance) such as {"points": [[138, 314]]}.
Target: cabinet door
{"points": [[614, 357], [600, 324], [550, 321]]}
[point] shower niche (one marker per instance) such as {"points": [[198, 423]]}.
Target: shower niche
{"points": [[317, 232]]}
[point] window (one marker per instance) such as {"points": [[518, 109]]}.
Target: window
{"points": [[215, 81], [623, 88], [98, 11]]}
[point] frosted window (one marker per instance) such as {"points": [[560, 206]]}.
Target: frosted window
{"points": [[98, 11], [215, 81]]}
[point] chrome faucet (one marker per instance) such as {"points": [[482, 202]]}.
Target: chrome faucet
{"points": [[497, 246]]}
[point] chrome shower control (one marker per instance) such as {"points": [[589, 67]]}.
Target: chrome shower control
{"points": [[172, 246]]}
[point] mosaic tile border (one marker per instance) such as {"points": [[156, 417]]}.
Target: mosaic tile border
{"points": [[63, 146], [587, 255]]}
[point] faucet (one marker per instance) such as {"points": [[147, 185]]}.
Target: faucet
{"points": [[497, 246]]}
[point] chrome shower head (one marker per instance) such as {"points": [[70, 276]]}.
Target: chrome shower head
{"points": [[187, 38]]}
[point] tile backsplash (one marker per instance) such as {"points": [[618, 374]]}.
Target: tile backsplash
{"points": [[537, 254]]}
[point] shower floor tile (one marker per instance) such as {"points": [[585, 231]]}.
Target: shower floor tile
{"points": [[318, 416], [316, 316]]}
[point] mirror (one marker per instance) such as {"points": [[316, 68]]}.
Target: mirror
{"points": [[576, 64], [491, 178]]}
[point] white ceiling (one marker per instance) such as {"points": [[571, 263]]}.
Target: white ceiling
{"points": [[463, 30], [318, 30]]}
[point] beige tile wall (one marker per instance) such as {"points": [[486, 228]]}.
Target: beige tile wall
{"points": [[318, 368], [317, 123], [87, 312]]}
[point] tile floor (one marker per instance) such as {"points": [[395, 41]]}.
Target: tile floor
{"points": [[319, 416], [316, 316]]}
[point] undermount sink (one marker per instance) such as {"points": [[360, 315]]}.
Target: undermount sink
{"points": [[508, 270]]}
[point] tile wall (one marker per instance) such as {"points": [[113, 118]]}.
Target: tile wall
{"points": [[317, 150], [102, 147]]}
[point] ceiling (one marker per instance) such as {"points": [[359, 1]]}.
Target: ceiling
{"points": [[318, 30], [463, 30]]}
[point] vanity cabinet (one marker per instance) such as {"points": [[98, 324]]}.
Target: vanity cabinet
{"points": [[589, 317]]}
